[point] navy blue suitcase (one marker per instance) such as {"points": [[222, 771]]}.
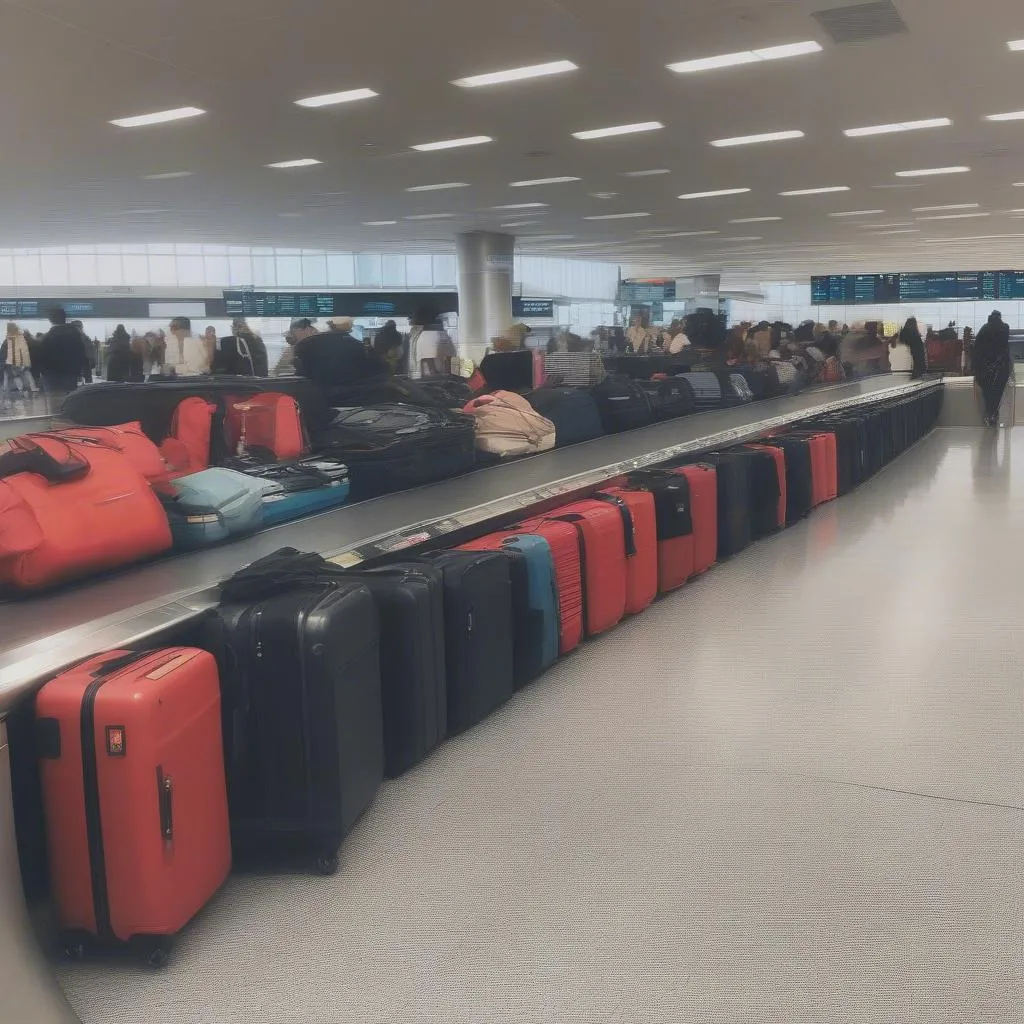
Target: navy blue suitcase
{"points": [[573, 412], [534, 600], [707, 390]]}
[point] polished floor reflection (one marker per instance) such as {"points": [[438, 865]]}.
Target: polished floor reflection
{"points": [[792, 792]]}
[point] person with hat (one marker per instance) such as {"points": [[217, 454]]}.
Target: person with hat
{"points": [[298, 330], [334, 358]]}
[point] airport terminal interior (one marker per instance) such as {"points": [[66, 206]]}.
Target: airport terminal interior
{"points": [[508, 512]]}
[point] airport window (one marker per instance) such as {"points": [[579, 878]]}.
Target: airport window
{"points": [[162, 270]]}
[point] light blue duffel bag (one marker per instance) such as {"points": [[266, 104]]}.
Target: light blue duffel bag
{"points": [[212, 506]]}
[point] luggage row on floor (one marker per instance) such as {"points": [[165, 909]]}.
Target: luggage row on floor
{"points": [[309, 684]]}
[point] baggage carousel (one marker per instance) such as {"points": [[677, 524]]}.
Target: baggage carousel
{"points": [[41, 635]]}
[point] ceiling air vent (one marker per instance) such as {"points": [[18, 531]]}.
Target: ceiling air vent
{"points": [[860, 22]]}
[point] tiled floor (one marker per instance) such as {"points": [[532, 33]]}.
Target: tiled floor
{"points": [[791, 792]]}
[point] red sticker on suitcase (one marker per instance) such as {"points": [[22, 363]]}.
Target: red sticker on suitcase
{"points": [[117, 742]]}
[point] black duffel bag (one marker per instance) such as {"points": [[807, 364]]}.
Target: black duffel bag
{"points": [[393, 447], [623, 404]]}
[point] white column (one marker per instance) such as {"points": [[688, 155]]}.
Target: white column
{"points": [[485, 289]]}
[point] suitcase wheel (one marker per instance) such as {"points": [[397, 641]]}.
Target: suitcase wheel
{"points": [[327, 863], [154, 949], [74, 947]]}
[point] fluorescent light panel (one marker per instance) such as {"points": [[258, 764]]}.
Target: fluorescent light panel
{"points": [[378, 223], [542, 181], [726, 60], [894, 224], [742, 238], [899, 231], [898, 126], [678, 234], [954, 216], [620, 129], [469, 140], [330, 99], [753, 220], [305, 161], [816, 191], [159, 117], [167, 175], [951, 206], [616, 216], [926, 172], [857, 213], [429, 216], [645, 174], [748, 140], [715, 194], [520, 206], [441, 185], [1016, 44], [1013, 115], [518, 223], [555, 67]]}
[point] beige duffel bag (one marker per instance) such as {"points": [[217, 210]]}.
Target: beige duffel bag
{"points": [[508, 426]]}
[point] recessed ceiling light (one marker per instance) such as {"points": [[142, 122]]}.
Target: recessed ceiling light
{"points": [[899, 231], [430, 216], [928, 171], [726, 60], [616, 216], [1013, 115], [544, 238], [518, 223], [753, 220], [167, 175], [954, 216], [441, 185], [894, 224], [1016, 44], [742, 238], [898, 126], [555, 67], [679, 234], [951, 206], [160, 117], [378, 223], [621, 129], [602, 195], [469, 140], [857, 213], [330, 99], [283, 165], [646, 174], [542, 181], [748, 140], [816, 191], [520, 206], [715, 194]]}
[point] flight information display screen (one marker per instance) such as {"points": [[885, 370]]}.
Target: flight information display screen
{"points": [[283, 304], [639, 292], [935, 286]]}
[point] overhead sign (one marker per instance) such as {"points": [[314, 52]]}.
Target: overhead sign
{"points": [[533, 309], [323, 304], [137, 307], [934, 286], [646, 291]]}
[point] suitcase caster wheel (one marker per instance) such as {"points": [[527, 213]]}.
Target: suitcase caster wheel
{"points": [[74, 951], [157, 958], [327, 864]]}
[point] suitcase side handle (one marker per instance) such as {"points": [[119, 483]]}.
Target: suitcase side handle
{"points": [[116, 664], [165, 797]]}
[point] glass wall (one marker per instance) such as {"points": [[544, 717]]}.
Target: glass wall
{"points": [[792, 303]]}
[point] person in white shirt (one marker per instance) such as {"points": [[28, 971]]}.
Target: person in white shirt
{"points": [[186, 356], [431, 350], [678, 340]]}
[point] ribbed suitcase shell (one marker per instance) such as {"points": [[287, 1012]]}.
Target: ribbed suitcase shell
{"points": [[707, 390], [563, 540], [676, 550], [704, 501], [603, 561], [780, 467], [132, 768], [642, 561]]}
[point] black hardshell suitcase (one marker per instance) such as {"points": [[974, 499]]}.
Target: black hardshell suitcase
{"points": [[304, 745], [479, 648], [850, 433], [410, 601], [572, 410], [799, 479], [669, 398], [764, 492], [393, 447], [707, 390], [735, 522], [623, 404]]}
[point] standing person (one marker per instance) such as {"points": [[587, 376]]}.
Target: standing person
{"points": [[186, 355], [62, 357], [389, 346], [991, 357], [911, 337], [430, 347], [17, 360], [124, 361], [334, 358], [257, 349], [298, 331]]}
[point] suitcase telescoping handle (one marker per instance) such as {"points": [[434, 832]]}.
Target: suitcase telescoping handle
{"points": [[165, 795], [116, 664]]}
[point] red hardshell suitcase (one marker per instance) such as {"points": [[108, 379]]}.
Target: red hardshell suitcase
{"points": [[270, 422], [601, 538], [704, 502], [780, 465], [642, 563], [824, 464], [565, 549], [674, 520], [186, 449], [132, 766]]}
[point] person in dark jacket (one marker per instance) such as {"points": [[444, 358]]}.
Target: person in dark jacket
{"points": [[255, 345], [389, 346], [62, 357], [124, 360], [334, 358], [991, 361], [911, 337]]}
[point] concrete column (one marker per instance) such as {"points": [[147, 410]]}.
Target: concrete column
{"points": [[485, 289]]}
